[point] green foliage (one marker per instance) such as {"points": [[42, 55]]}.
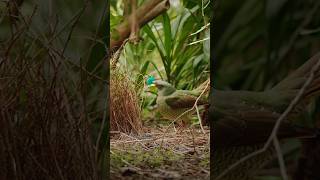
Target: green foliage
{"points": [[183, 61], [175, 47], [167, 49]]}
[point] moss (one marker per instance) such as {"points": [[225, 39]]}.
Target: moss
{"points": [[205, 162], [142, 158]]}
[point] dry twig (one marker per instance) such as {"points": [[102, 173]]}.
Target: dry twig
{"points": [[274, 132]]}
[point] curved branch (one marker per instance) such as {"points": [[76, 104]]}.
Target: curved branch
{"points": [[145, 13]]}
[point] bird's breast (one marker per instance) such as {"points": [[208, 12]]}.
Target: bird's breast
{"points": [[172, 113]]}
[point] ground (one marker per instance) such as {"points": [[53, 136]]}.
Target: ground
{"points": [[161, 153]]}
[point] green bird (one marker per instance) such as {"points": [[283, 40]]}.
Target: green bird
{"points": [[243, 121], [175, 104]]}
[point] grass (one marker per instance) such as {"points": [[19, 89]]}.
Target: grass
{"points": [[124, 104], [50, 96]]}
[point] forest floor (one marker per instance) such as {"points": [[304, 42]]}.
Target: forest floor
{"points": [[161, 153]]}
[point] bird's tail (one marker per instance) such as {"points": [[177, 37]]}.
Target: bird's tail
{"points": [[297, 79]]}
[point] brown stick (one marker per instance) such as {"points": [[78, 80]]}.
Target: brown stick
{"points": [[134, 35], [145, 13]]}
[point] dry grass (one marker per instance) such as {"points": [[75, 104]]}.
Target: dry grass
{"points": [[124, 104], [45, 127], [44, 131]]}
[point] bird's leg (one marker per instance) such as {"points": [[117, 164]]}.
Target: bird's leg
{"points": [[174, 127], [183, 123], [204, 116], [180, 123]]}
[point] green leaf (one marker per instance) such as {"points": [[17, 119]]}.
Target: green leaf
{"points": [[147, 29], [143, 71], [167, 34]]}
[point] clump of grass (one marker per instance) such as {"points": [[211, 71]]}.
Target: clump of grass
{"points": [[46, 107], [43, 130], [124, 104]]}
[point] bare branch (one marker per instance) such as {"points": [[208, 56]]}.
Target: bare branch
{"points": [[145, 13]]}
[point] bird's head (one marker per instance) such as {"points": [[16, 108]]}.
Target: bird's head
{"points": [[164, 87]]}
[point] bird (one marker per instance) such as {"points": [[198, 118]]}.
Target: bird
{"points": [[242, 121], [176, 105]]}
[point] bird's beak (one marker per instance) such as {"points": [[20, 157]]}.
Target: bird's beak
{"points": [[151, 89], [155, 84]]}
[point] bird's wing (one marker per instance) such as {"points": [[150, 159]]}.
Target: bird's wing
{"points": [[184, 99], [237, 124], [296, 80], [232, 131]]}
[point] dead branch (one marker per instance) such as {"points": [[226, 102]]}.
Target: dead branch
{"points": [[144, 14], [134, 35]]}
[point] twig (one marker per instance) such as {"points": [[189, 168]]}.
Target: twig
{"points": [[104, 119], [115, 57], [280, 158], [57, 34], [87, 72], [73, 26], [278, 123], [199, 41]]}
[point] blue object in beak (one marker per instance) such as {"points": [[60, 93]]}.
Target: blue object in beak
{"points": [[150, 80]]}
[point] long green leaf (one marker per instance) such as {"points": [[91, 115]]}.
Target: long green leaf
{"points": [[167, 34]]}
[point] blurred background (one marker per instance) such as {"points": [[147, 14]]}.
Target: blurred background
{"points": [[257, 43], [53, 89]]}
